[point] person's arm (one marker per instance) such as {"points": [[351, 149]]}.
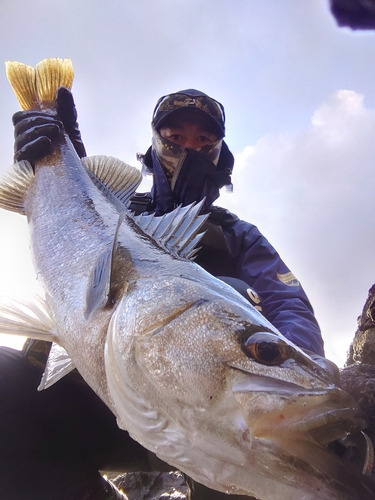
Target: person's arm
{"points": [[283, 300]]}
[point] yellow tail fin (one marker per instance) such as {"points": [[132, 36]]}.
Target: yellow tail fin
{"points": [[36, 88]]}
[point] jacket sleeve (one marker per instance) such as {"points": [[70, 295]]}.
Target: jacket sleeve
{"points": [[283, 300]]}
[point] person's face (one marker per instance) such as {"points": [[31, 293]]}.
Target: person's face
{"points": [[188, 131]]}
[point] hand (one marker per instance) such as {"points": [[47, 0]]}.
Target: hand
{"points": [[35, 131]]}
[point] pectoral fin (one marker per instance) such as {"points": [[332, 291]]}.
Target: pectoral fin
{"points": [[100, 292]]}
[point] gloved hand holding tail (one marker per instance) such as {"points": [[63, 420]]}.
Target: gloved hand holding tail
{"points": [[35, 131]]}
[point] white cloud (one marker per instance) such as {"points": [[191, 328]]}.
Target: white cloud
{"points": [[270, 63], [312, 194], [17, 277], [244, 157]]}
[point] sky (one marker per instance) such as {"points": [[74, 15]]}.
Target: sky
{"points": [[299, 96]]}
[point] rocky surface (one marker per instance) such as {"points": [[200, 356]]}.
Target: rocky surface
{"points": [[358, 376], [362, 349]]}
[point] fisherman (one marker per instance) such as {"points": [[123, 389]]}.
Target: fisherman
{"points": [[190, 161], [58, 439]]}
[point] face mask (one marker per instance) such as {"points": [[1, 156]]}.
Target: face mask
{"points": [[170, 154]]}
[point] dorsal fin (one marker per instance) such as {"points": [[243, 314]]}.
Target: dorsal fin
{"points": [[177, 231], [115, 178], [14, 185]]}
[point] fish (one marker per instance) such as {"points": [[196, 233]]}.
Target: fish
{"points": [[189, 368]]}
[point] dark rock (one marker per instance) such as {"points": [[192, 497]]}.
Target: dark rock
{"points": [[359, 381], [362, 349], [358, 376]]}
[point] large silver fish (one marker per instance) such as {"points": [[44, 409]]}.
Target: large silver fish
{"points": [[189, 368]]}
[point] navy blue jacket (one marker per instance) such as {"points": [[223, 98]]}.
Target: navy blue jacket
{"points": [[233, 247]]}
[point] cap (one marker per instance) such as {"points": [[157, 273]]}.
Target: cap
{"points": [[190, 99]]}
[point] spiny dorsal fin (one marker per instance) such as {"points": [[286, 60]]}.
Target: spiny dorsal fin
{"points": [[36, 88], [177, 231], [14, 185], [115, 178]]}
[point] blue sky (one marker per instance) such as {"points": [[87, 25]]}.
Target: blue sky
{"points": [[299, 96]]}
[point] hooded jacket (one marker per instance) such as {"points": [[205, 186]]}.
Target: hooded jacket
{"points": [[232, 247]]}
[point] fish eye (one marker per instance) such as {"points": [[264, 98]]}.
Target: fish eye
{"points": [[266, 349]]}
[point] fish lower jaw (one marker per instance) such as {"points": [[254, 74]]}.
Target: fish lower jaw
{"points": [[334, 436], [346, 440], [336, 425], [322, 428]]}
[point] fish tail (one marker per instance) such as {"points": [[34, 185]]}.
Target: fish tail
{"points": [[31, 319], [22, 79], [36, 88], [14, 185], [50, 75]]}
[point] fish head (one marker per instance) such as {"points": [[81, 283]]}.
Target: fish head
{"points": [[244, 410]]}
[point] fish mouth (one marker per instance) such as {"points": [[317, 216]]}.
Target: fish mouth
{"points": [[332, 444], [340, 434], [328, 422], [355, 450], [335, 425], [345, 441]]}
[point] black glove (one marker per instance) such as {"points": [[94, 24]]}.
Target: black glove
{"points": [[34, 131], [67, 113]]}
